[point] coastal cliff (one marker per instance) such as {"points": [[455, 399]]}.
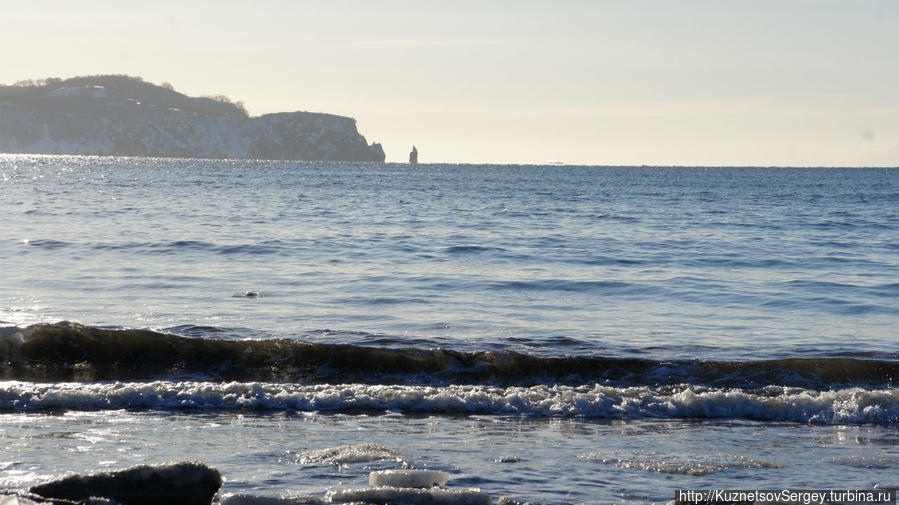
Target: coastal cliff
{"points": [[125, 116]]}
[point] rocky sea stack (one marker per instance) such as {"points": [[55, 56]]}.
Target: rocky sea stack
{"points": [[125, 116]]}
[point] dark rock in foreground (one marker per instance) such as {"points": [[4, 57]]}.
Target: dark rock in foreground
{"points": [[176, 484]]}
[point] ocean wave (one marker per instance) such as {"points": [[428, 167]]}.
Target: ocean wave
{"points": [[844, 406], [472, 249], [566, 285], [46, 243], [380, 300], [181, 246], [68, 351], [167, 248]]}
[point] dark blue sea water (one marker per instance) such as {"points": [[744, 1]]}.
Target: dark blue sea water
{"points": [[755, 310]]}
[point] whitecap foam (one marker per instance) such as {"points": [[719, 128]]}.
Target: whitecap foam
{"points": [[843, 406]]}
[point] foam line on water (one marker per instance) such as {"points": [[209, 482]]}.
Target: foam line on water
{"points": [[842, 406]]}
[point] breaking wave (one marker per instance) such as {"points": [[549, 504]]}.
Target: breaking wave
{"points": [[844, 406], [72, 352]]}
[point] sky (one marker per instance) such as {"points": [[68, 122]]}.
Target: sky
{"points": [[686, 82]]}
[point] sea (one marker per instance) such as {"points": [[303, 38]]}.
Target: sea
{"points": [[546, 334]]}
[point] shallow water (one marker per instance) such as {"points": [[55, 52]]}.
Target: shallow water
{"points": [[606, 334], [552, 460]]}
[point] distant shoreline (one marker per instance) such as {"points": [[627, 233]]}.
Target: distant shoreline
{"points": [[115, 115]]}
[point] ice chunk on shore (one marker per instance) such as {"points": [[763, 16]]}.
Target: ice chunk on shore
{"points": [[410, 496], [408, 478], [180, 483], [344, 454]]}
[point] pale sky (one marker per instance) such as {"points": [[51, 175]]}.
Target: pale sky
{"points": [[668, 82]]}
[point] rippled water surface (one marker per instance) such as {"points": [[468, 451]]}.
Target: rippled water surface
{"points": [[555, 334], [664, 262], [555, 461]]}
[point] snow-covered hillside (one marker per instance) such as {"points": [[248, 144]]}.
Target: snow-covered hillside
{"points": [[118, 115]]}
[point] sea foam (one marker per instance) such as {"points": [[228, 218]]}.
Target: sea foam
{"points": [[850, 405]]}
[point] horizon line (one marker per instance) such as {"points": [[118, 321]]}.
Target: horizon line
{"points": [[464, 163]]}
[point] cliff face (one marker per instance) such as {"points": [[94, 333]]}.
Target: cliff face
{"points": [[116, 115]]}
